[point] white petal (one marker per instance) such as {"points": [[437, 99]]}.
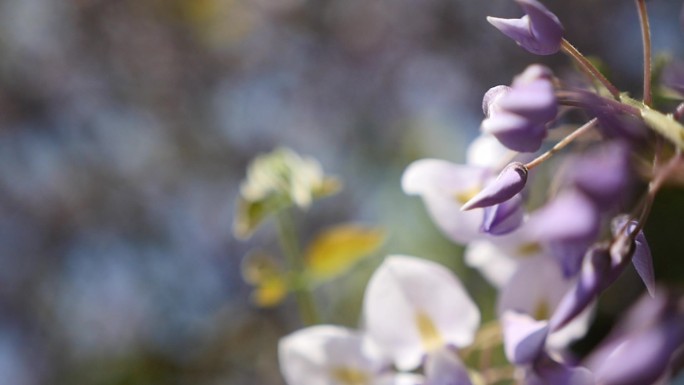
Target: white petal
{"points": [[411, 305], [536, 287], [486, 151], [444, 187], [314, 355], [493, 263]]}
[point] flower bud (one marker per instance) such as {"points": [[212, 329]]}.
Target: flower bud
{"points": [[509, 182], [539, 31]]}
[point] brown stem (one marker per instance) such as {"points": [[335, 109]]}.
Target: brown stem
{"points": [[589, 68], [560, 145], [646, 37]]}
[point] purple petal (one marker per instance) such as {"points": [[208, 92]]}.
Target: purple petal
{"points": [[444, 367], [505, 217], [515, 132], [524, 337], [639, 252], [539, 31], [549, 372], [602, 174], [639, 358], [643, 263], [589, 284], [568, 224], [509, 182], [547, 30], [535, 101]]}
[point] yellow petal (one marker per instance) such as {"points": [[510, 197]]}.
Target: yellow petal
{"points": [[270, 292], [336, 250]]}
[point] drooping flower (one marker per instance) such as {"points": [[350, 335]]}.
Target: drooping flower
{"points": [[413, 307], [539, 31], [517, 115]]}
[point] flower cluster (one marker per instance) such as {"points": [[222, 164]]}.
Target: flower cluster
{"points": [[550, 259]]}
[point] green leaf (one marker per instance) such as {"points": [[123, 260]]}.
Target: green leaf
{"points": [[337, 249], [663, 124]]}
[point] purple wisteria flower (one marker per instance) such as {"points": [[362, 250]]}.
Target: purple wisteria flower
{"points": [[602, 265], [510, 182], [539, 31], [602, 174], [639, 349], [517, 115]]}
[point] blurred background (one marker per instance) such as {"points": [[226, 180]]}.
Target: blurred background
{"points": [[126, 127]]}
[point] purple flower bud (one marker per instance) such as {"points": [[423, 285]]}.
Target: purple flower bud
{"points": [[592, 280], [539, 31], [509, 182], [505, 217], [639, 252], [603, 174], [517, 115]]}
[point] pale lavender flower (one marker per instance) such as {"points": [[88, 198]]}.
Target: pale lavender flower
{"points": [[568, 224], [639, 349], [539, 31], [517, 115], [413, 307], [445, 187], [603, 174], [535, 291]]}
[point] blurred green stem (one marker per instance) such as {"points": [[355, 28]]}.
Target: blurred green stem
{"points": [[289, 243]]}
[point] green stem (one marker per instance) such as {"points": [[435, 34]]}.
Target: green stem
{"points": [[646, 37], [589, 68], [290, 246]]}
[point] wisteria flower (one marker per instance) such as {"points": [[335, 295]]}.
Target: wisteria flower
{"points": [[413, 307], [326, 354], [445, 187], [517, 115], [539, 31]]}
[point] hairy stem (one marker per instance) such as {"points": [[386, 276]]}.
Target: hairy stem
{"points": [[589, 68], [646, 37], [560, 145]]}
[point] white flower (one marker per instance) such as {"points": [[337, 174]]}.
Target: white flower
{"points": [[413, 306]]}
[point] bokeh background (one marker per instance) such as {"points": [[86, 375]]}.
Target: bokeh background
{"points": [[126, 127]]}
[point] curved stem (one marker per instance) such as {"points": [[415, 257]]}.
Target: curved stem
{"points": [[646, 37], [290, 245], [564, 142], [589, 68]]}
